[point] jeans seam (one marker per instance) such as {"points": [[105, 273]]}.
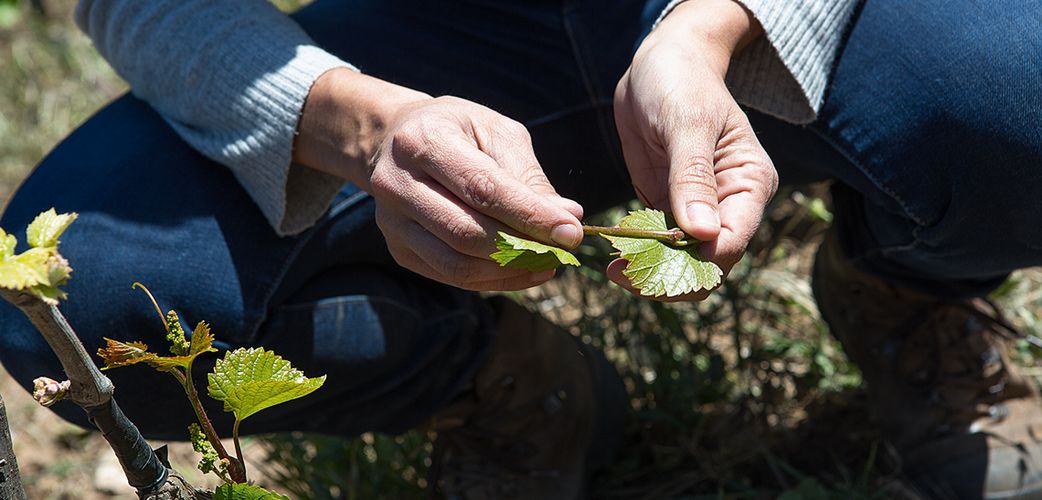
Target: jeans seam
{"points": [[890, 250], [838, 146], [288, 262]]}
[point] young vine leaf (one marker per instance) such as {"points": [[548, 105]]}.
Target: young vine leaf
{"points": [[250, 380], [530, 255], [118, 353], [657, 268], [40, 270], [243, 491], [45, 229]]}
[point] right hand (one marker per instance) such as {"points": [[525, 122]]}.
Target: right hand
{"points": [[447, 176]]}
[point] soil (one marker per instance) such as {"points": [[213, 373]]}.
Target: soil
{"points": [[59, 461]]}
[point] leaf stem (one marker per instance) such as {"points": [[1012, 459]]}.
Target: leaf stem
{"points": [[675, 236], [238, 450], [235, 468]]}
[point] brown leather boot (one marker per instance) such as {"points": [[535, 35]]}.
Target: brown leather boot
{"points": [[544, 412], [964, 423]]}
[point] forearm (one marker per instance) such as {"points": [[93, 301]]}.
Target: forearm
{"points": [[231, 77], [783, 72], [720, 28], [343, 123]]}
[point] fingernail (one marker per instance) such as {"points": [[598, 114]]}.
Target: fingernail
{"points": [[566, 235], [703, 215]]}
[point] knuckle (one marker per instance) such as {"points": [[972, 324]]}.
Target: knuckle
{"points": [[466, 237], [698, 165], [696, 180], [402, 256], [537, 222], [455, 268], [764, 185], [772, 181], [448, 100], [517, 129], [480, 189], [409, 138], [380, 181], [534, 177]]}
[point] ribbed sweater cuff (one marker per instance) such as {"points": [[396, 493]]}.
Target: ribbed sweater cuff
{"points": [[292, 197], [786, 72]]}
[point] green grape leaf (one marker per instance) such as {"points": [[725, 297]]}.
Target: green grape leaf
{"points": [[656, 268], [117, 354], [250, 380], [243, 491], [530, 255], [23, 271], [45, 229], [7, 244], [40, 270], [202, 340]]}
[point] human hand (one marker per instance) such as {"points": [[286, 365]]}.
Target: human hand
{"points": [[448, 175], [688, 146]]}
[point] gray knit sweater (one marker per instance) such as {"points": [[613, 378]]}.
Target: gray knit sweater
{"points": [[235, 90]]}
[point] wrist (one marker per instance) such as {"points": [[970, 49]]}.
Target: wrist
{"points": [[718, 29], [344, 120]]}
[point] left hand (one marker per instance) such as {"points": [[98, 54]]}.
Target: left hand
{"points": [[688, 146]]}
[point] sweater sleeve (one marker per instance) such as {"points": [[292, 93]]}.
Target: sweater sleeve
{"points": [[230, 77], [785, 73]]}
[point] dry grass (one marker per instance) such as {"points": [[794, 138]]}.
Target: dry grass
{"points": [[741, 396]]}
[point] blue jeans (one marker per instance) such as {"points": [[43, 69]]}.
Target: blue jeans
{"points": [[931, 125]]}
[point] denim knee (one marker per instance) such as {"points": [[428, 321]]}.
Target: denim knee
{"points": [[936, 106]]}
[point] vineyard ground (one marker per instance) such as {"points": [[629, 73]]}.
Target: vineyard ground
{"points": [[742, 396]]}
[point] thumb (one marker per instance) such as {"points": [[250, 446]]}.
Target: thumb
{"points": [[692, 186]]}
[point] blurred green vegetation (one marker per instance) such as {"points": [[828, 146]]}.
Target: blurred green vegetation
{"points": [[744, 395], [53, 79]]}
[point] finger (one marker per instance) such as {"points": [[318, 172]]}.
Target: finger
{"points": [[445, 216], [522, 282], [515, 153], [477, 180], [614, 273], [636, 154], [740, 216], [510, 144], [573, 207], [692, 184], [747, 181], [448, 266]]}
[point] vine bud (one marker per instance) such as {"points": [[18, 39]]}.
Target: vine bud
{"points": [[48, 391]]}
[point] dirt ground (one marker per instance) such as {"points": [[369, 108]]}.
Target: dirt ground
{"points": [[59, 461]]}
